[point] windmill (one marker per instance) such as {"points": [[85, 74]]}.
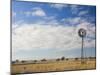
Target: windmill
{"points": [[82, 34]]}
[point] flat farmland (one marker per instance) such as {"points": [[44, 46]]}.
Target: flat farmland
{"points": [[45, 66]]}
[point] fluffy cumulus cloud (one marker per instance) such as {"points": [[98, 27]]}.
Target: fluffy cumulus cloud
{"points": [[36, 11], [58, 6], [37, 37]]}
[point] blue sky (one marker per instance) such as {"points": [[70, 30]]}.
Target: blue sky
{"points": [[49, 30], [59, 13]]}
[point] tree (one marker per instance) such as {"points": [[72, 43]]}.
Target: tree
{"points": [[43, 60], [35, 61], [58, 59], [76, 58], [13, 62], [23, 61], [67, 59], [17, 60], [14, 74], [63, 58]]}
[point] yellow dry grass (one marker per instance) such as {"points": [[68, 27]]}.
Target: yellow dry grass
{"points": [[55, 66]]}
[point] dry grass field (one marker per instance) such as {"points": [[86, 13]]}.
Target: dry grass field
{"points": [[65, 65]]}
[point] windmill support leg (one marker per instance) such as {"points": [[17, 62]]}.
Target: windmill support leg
{"points": [[82, 53]]}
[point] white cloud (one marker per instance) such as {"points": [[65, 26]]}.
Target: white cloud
{"points": [[83, 13], [74, 21], [36, 11], [58, 6], [74, 9], [81, 23], [33, 36]]}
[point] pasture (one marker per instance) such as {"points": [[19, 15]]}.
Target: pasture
{"points": [[45, 66]]}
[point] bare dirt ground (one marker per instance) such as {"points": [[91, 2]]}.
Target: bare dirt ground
{"points": [[64, 65]]}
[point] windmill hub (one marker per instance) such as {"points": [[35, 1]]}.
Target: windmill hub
{"points": [[82, 32]]}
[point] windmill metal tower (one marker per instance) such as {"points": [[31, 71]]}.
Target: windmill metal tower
{"points": [[82, 34]]}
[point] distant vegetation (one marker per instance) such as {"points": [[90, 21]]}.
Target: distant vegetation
{"points": [[44, 60]]}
